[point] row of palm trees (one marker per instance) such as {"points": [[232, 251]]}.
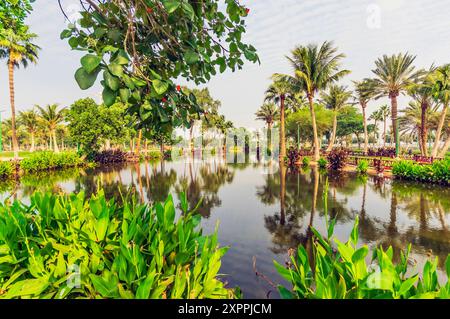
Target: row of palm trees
{"points": [[17, 47], [43, 122], [316, 73]]}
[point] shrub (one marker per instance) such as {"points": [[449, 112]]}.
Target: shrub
{"points": [[337, 159], [305, 161], [382, 152], [293, 156], [110, 156], [339, 271], [322, 162], [6, 168], [438, 172], [127, 251], [363, 166], [48, 160]]}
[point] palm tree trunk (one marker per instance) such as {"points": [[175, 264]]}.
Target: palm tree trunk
{"points": [[394, 124], [366, 136], [54, 141], [269, 139], [424, 129], [333, 134], [437, 139], [282, 131], [15, 144], [32, 142], [138, 142], [446, 146], [314, 125]]}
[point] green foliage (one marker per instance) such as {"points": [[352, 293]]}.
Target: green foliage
{"points": [[6, 169], [438, 172], [154, 154], [349, 121], [305, 161], [323, 163], [363, 166], [90, 125], [337, 270], [71, 247], [301, 121], [142, 52], [48, 160]]}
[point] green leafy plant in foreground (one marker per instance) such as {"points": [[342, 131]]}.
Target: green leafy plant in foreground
{"points": [[6, 168], [322, 162], [129, 251], [339, 270], [438, 172], [48, 160]]}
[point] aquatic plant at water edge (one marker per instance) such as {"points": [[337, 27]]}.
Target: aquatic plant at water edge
{"points": [[438, 172], [72, 247], [362, 167], [322, 162], [339, 270], [47, 160], [305, 161], [337, 159], [6, 168]]}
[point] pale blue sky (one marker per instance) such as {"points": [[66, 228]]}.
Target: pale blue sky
{"points": [[362, 29]]}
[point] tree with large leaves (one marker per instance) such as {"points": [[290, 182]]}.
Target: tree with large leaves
{"points": [[315, 69], [335, 99], [142, 46], [441, 91], [393, 76], [30, 120], [277, 92], [51, 117], [18, 48], [363, 94]]}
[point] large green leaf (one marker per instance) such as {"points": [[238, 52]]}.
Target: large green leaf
{"points": [[191, 57], [171, 5], [111, 81], [84, 79], [160, 86], [116, 69], [90, 62], [109, 96]]}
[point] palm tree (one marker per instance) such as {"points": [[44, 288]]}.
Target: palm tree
{"points": [[316, 68], [385, 113], [335, 99], [441, 91], [277, 92], [376, 117], [363, 94], [393, 76], [50, 117], [422, 93], [30, 119], [17, 47], [411, 121], [268, 113]]}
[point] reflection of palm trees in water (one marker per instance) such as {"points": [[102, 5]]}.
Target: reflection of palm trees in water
{"points": [[204, 185]]}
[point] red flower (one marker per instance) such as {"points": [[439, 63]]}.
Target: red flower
{"points": [[164, 100], [149, 10], [247, 10], [178, 88]]}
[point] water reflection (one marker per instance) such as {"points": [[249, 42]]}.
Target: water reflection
{"points": [[266, 209]]}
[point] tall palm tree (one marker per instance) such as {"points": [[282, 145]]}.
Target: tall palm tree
{"points": [[393, 75], [30, 119], [385, 113], [411, 120], [50, 117], [336, 98], [316, 68], [363, 94], [18, 48], [277, 92], [441, 91], [422, 93]]}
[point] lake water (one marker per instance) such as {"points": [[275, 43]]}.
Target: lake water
{"points": [[264, 210]]}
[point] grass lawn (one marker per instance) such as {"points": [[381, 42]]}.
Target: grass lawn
{"points": [[11, 154]]}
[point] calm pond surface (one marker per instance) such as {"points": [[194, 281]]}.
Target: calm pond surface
{"points": [[262, 217]]}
